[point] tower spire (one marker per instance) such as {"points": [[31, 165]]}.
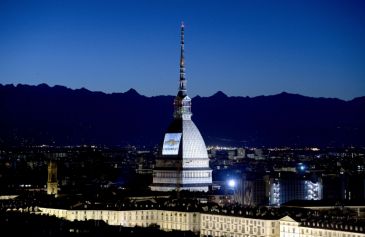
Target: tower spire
{"points": [[182, 85], [182, 101]]}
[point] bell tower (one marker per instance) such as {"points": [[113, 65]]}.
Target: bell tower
{"points": [[52, 182]]}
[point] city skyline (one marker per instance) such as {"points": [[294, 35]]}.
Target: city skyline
{"points": [[241, 48], [265, 136]]}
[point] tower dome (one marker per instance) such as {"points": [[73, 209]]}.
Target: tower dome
{"points": [[183, 162]]}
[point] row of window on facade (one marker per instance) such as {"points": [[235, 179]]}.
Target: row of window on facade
{"points": [[195, 174]]}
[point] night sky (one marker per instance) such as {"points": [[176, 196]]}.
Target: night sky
{"points": [[243, 48]]}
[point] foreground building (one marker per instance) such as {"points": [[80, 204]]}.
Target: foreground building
{"points": [[212, 223], [183, 162]]}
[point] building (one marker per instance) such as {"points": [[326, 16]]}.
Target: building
{"points": [[52, 182], [165, 219], [214, 223], [238, 226], [292, 228], [254, 189], [183, 162], [290, 186]]}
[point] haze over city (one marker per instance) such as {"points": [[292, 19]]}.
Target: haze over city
{"points": [[243, 48]]}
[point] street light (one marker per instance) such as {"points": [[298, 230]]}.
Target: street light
{"points": [[231, 183]]}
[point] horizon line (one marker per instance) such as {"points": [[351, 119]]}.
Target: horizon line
{"points": [[219, 92]]}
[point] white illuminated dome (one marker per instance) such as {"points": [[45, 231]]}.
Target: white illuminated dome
{"points": [[193, 145]]}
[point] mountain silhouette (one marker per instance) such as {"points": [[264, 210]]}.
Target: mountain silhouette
{"points": [[33, 115]]}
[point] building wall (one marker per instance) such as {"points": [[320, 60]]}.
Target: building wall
{"points": [[220, 225], [292, 229], [205, 223], [283, 190], [167, 220]]}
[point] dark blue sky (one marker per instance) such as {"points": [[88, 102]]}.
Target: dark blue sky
{"points": [[247, 48]]}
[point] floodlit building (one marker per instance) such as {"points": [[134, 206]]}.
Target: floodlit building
{"points": [[227, 225], [214, 223], [52, 182], [292, 187], [183, 162], [292, 228], [165, 219]]}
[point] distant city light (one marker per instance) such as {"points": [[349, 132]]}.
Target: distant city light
{"points": [[301, 166], [231, 183]]}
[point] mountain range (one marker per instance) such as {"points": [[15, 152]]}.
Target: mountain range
{"points": [[33, 115]]}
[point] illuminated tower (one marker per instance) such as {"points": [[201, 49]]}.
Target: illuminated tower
{"points": [[52, 183], [183, 162]]}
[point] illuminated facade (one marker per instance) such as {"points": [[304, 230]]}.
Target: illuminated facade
{"points": [[52, 182], [183, 163], [167, 220], [211, 224], [221, 225], [285, 189], [291, 228]]}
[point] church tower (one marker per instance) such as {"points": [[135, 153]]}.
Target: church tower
{"points": [[52, 182], [183, 162]]}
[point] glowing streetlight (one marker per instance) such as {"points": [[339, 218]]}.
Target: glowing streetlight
{"points": [[231, 183]]}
